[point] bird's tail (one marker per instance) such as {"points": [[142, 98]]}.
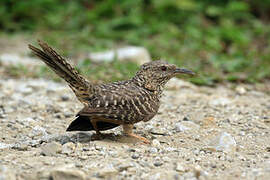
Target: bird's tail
{"points": [[61, 67]]}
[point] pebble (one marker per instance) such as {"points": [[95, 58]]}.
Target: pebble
{"points": [[6, 173], [124, 166], [153, 150], [156, 143], [64, 98], [224, 142], [68, 148], [67, 174], [51, 149], [4, 145], [38, 131], [180, 167], [158, 162], [107, 172], [20, 146], [240, 90], [135, 156], [186, 126], [221, 101], [245, 118]]}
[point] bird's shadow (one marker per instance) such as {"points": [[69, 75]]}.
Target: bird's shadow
{"points": [[85, 137]]}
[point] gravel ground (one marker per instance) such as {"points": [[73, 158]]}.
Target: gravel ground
{"points": [[199, 133]]}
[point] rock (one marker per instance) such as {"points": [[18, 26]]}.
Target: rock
{"points": [[186, 126], [20, 146], [240, 90], [153, 150], [51, 149], [158, 162], [24, 89], [138, 55], [4, 145], [62, 139], [64, 98], [200, 173], [68, 114], [156, 143], [6, 173], [220, 101], [135, 156], [124, 166], [38, 131], [180, 167], [81, 137], [107, 172], [223, 142], [68, 148], [67, 174]]}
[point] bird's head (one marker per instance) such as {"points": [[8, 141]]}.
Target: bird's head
{"points": [[154, 75]]}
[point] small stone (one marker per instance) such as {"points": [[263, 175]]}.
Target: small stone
{"points": [[24, 89], [158, 163], [51, 149], [180, 168], [149, 128], [68, 148], [7, 174], [67, 174], [62, 139], [68, 114], [199, 172], [83, 157], [135, 156], [242, 133], [82, 137], [185, 119], [125, 166], [224, 142], [240, 90], [38, 131], [221, 101], [64, 98], [5, 146], [156, 143], [186, 126], [107, 172], [153, 150], [21, 147]]}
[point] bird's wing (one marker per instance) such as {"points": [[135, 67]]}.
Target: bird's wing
{"points": [[123, 106]]}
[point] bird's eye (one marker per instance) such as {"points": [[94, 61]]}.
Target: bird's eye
{"points": [[163, 68]]}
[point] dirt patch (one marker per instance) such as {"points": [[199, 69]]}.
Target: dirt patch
{"points": [[199, 132]]}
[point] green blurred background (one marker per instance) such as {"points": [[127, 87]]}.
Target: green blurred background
{"points": [[223, 40]]}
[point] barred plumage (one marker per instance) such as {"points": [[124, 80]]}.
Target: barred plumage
{"points": [[119, 103]]}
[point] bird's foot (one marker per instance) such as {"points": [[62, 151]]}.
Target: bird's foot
{"points": [[143, 139]]}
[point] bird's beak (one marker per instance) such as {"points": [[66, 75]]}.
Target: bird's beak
{"points": [[183, 71]]}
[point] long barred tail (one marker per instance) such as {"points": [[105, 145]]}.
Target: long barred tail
{"points": [[80, 86]]}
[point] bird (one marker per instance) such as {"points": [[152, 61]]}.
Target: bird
{"points": [[109, 105]]}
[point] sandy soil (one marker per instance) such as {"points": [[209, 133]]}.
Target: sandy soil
{"points": [[199, 133]]}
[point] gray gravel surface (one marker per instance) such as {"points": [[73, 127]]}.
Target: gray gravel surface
{"points": [[199, 133]]}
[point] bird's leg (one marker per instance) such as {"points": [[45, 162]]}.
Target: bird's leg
{"points": [[127, 128], [98, 133]]}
